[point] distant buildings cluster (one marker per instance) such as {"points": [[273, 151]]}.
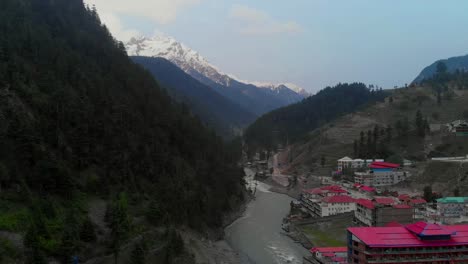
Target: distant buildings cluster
{"points": [[376, 172]]}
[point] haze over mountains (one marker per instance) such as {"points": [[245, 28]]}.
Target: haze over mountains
{"points": [[258, 99], [453, 64]]}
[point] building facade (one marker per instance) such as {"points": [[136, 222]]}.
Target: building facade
{"points": [[414, 243], [328, 255], [452, 206], [334, 205], [381, 212], [381, 174], [350, 163]]}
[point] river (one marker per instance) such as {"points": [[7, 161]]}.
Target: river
{"points": [[258, 235]]}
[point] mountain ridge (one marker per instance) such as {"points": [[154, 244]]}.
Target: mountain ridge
{"points": [[251, 97], [452, 63]]}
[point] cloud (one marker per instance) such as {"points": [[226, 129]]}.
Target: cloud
{"points": [[259, 23], [115, 26], [160, 11]]}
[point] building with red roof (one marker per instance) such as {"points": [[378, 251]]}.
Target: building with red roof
{"points": [[381, 174], [382, 210], [414, 243], [332, 205], [328, 255], [384, 200], [420, 207], [404, 197], [327, 200]]}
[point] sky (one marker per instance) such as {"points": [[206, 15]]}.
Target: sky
{"points": [[312, 43]]}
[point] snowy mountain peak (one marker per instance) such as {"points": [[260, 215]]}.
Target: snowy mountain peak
{"points": [[278, 86], [192, 62], [184, 57]]}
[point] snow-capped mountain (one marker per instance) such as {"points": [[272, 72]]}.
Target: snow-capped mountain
{"points": [[184, 57], [251, 96], [275, 87]]}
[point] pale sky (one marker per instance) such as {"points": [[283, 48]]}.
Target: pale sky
{"points": [[313, 43]]}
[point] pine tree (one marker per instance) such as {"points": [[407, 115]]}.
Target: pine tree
{"points": [[138, 254], [120, 224], [356, 149], [369, 144], [362, 145], [420, 125], [389, 131]]}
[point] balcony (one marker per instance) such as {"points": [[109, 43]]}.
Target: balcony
{"points": [[418, 260]]}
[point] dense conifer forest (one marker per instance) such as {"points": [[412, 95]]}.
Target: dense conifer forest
{"points": [[79, 119], [294, 122]]}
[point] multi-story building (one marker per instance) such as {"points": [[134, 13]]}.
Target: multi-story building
{"points": [[381, 174], [420, 208], [381, 211], [452, 206], [333, 205], [311, 199], [350, 163], [414, 243], [328, 255]]}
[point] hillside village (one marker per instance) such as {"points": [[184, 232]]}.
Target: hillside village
{"points": [[399, 163]]}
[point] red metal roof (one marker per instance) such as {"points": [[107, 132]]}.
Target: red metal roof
{"points": [[403, 197], [366, 203], [393, 224], [418, 201], [325, 189], [427, 229], [401, 237], [367, 188], [384, 200], [329, 249], [339, 199], [385, 164], [401, 206]]}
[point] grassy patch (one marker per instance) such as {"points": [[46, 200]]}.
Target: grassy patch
{"points": [[322, 239]]}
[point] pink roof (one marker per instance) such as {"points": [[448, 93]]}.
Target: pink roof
{"points": [[339, 199], [427, 229], [366, 203], [402, 206], [329, 249], [325, 189], [367, 188], [402, 237], [357, 185], [418, 201], [382, 165], [331, 187], [403, 197], [393, 224], [384, 200]]}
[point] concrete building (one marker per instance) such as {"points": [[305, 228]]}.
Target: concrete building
{"points": [[420, 208], [328, 255], [414, 243], [347, 162], [452, 206], [381, 211], [381, 174], [333, 205]]}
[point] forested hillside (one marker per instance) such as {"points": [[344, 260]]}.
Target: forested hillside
{"points": [[409, 124], [294, 122], [79, 119], [215, 110], [452, 64]]}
